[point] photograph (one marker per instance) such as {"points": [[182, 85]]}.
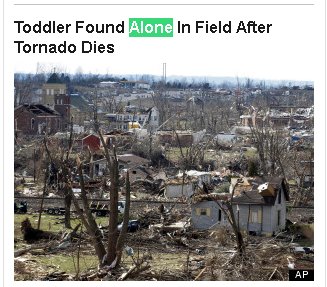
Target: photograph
{"points": [[144, 178], [151, 141]]}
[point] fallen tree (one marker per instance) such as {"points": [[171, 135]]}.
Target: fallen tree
{"points": [[31, 234]]}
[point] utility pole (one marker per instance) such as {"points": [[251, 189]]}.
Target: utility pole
{"points": [[164, 73]]}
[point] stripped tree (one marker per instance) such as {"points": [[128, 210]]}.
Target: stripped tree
{"points": [[60, 159], [227, 208], [108, 254]]}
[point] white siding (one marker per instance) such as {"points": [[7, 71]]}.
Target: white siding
{"points": [[209, 218], [179, 190]]}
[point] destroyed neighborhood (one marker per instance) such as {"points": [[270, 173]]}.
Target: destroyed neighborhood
{"points": [[150, 178]]}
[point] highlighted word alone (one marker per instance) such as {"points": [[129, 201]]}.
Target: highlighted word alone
{"points": [[151, 27]]}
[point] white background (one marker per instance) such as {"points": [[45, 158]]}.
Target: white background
{"points": [[287, 52], [293, 50]]}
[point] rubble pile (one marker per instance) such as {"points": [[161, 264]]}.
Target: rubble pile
{"points": [[151, 216], [148, 185], [27, 268], [203, 255], [264, 260]]}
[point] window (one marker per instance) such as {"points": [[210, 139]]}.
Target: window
{"points": [[32, 124], [203, 211], [219, 215], [256, 216], [278, 217]]}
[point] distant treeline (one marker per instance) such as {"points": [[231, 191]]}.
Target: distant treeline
{"points": [[174, 82]]}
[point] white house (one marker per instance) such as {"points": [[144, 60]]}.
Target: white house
{"points": [[127, 121]]}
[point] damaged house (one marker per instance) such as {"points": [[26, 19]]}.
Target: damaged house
{"points": [[185, 184], [37, 119], [206, 212], [259, 209], [262, 209], [125, 161]]}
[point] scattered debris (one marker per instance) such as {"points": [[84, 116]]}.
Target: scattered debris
{"points": [[139, 267]]}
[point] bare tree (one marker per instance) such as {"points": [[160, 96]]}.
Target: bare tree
{"points": [[301, 168], [115, 240], [111, 255], [272, 147], [229, 213], [192, 156], [62, 165], [24, 85], [87, 218]]}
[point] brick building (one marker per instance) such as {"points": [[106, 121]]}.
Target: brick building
{"points": [[36, 120], [62, 106]]}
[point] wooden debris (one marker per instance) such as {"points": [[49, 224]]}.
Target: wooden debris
{"points": [[272, 274], [56, 276], [23, 251], [137, 268], [200, 274]]}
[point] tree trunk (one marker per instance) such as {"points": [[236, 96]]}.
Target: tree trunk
{"points": [[42, 200], [68, 203], [232, 221], [115, 243], [123, 232], [67, 175], [94, 233], [238, 234], [88, 219], [113, 218]]}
